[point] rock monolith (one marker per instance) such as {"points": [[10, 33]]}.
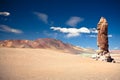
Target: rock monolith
{"points": [[102, 38]]}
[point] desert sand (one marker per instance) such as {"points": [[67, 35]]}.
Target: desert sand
{"points": [[46, 64]]}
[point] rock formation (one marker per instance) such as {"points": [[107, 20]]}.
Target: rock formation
{"points": [[102, 39]]}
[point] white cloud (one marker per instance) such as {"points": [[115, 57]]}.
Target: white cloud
{"points": [[84, 30], [110, 35], [71, 32], [73, 21], [6, 28], [116, 48], [4, 13], [94, 36], [42, 16], [93, 30]]}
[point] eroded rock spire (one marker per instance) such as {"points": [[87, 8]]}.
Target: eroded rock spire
{"points": [[102, 38], [102, 41]]}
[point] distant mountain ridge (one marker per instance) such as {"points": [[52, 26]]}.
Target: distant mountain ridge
{"points": [[115, 51], [38, 43], [42, 43]]}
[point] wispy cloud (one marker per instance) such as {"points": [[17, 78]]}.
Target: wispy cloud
{"points": [[42, 16], [110, 35], [116, 48], [71, 32], [4, 13], [94, 36], [48, 34], [73, 21], [6, 28], [93, 30]]}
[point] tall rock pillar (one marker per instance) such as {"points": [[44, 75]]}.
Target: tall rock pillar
{"points": [[102, 41], [102, 38]]}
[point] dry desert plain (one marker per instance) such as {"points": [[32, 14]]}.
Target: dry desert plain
{"points": [[46, 64]]}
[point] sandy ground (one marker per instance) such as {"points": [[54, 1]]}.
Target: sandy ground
{"points": [[45, 64]]}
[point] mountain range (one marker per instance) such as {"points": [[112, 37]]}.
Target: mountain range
{"points": [[44, 43]]}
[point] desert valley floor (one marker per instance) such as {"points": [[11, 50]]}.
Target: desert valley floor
{"points": [[46, 64]]}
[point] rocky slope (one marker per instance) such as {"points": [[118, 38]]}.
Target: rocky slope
{"points": [[41, 43]]}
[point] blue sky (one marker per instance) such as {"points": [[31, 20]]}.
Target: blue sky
{"points": [[72, 21]]}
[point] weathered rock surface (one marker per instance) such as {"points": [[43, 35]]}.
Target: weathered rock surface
{"points": [[102, 39]]}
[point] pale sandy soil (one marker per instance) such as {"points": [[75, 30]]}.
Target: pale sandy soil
{"points": [[45, 64]]}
